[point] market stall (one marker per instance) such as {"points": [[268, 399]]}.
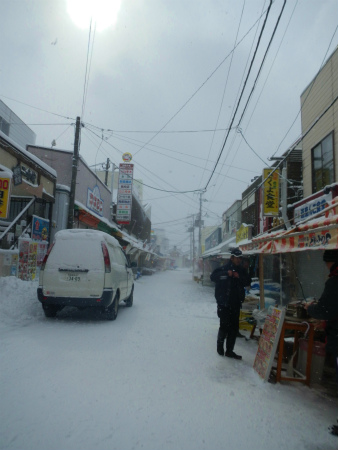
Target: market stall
{"points": [[302, 278]]}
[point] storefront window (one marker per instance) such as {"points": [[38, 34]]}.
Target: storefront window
{"points": [[323, 164]]}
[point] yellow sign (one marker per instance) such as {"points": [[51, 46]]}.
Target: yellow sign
{"points": [[5, 187], [271, 193], [242, 233]]}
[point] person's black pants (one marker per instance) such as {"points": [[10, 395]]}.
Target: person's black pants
{"points": [[228, 326]]}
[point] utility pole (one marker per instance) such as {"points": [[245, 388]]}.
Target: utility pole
{"points": [[74, 174], [193, 245], [284, 186], [200, 227], [106, 176]]}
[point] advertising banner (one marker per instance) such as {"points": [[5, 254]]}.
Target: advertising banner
{"points": [[31, 254], [40, 228], [94, 200], [268, 342], [271, 193], [5, 188], [312, 207]]}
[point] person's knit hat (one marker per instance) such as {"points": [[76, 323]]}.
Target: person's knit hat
{"points": [[330, 256], [236, 252]]}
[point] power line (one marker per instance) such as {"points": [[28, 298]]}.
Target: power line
{"points": [[312, 84], [207, 79], [240, 98], [291, 149], [39, 109], [262, 63], [224, 90], [88, 65]]}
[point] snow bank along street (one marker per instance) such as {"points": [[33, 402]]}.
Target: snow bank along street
{"points": [[151, 379]]}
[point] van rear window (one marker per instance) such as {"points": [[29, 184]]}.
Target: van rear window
{"points": [[76, 253]]}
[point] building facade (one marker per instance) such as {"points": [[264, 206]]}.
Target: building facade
{"points": [[319, 115]]}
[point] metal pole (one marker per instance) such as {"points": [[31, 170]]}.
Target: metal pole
{"points": [[106, 176], [199, 227], [74, 174], [193, 245]]}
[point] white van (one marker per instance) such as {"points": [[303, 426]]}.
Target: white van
{"points": [[85, 268]]}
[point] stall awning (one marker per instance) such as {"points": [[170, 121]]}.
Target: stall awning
{"points": [[93, 220], [320, 233]]}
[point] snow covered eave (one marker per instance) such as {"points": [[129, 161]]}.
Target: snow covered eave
{"points": [[28, 155]]}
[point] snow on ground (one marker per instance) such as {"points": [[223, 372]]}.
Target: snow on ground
{"points": [[149, 380]]}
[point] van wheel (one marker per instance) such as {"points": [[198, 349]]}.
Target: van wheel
{"points": [[50, 310], [112, 310], [130, 299]]}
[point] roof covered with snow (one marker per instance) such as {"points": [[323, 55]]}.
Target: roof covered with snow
{"points": [[28, 155]]}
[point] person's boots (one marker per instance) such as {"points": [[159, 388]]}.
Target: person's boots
{"points": [[220, 342]]}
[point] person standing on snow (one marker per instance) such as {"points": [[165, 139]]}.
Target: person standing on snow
{"points": [[327, 309], [230, 280]]}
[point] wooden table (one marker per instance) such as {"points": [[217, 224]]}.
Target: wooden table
{"points": [[298, 328]]}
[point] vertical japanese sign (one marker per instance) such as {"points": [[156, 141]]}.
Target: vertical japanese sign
{"points": [[268, 342], [124, 194], [271, 193], [5, 188]]}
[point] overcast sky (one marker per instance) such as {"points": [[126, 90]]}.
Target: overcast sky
{"points": [[164, 84]]}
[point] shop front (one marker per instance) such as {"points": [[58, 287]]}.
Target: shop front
{"points": [[28, 187], [297, 255]]}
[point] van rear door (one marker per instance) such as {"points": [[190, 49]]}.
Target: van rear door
{"points": [[75, 268]]}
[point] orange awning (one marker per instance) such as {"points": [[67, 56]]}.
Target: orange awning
{"points": [[317, 234]]}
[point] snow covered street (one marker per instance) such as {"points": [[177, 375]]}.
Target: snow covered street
{"points": [[149, 380]]}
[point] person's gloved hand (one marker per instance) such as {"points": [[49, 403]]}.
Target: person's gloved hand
{"points": [[220, 311]]}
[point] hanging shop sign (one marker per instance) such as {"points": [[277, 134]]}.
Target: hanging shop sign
{"points": [[5, 189], [271, 192], [124, 193], [94, 201], [40, 228], [127, 157]]}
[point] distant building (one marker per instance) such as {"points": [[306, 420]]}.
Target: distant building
{"points": [[159, 241], [13, 127]]}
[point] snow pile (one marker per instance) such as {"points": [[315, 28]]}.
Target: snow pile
{"points": [[18, 301]]}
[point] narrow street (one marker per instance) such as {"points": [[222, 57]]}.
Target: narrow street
{"points": [[151, 379]]}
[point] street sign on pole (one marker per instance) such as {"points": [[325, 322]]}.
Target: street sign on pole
{"points": [[124, 193]]}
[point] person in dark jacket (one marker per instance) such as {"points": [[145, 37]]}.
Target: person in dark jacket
{"points": [[230, 281], [327, 309]]}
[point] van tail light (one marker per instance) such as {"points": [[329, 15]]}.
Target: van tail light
{"points": [[46, 257], [106, 258]]}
